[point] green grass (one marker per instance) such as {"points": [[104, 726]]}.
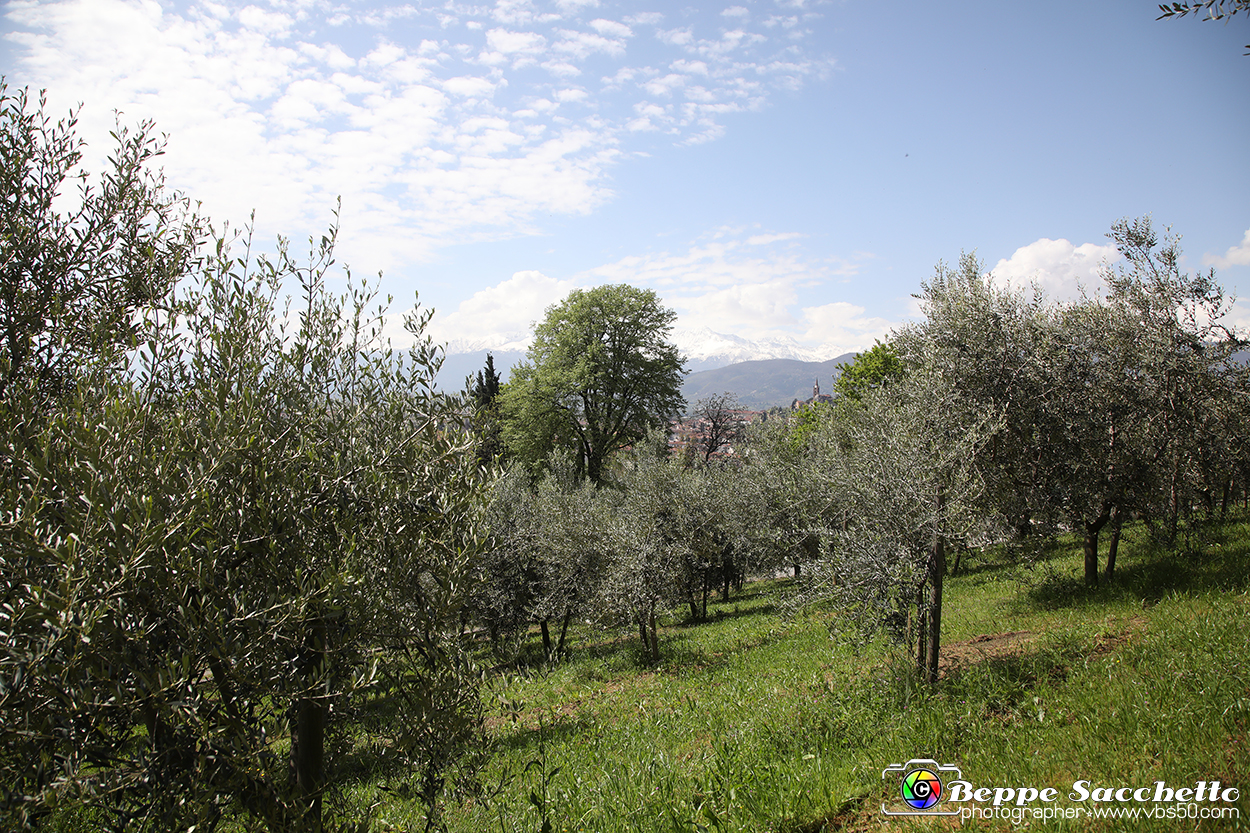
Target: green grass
{"points": [[756, 722]]}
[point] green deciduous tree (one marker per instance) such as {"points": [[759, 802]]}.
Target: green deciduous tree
{"points": [[872, 368], [600, 373]]}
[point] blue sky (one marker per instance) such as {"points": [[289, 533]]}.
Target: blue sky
{"points": [[779, 169]]}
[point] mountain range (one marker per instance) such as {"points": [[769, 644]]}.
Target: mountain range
{"points": [[762, 373], [765, 383]]}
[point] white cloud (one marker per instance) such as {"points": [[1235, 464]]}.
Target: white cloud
{"points": [[611, 28], [691, 67], [433, 132], [469, 86], [1238, 255], [519, 12], [499, 317], [1058, 267], [844, 326], [736, 282], [582, 44], [646, 19], [329, 54], [676, 37], [511, 43], [665, 85], [1238, 318], [765, 239], [562, 69], [271, 23]]}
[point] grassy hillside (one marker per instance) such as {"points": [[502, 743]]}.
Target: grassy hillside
{"points": [[759, 722]]}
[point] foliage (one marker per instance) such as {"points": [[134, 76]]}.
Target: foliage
{"points": [[897, 474], [873, 368], [70, 282], [786, 508], [1185, 373], [220, 540], [1215, 10], [505, 579], [599, 374], [1111, 406], [545, 559]]}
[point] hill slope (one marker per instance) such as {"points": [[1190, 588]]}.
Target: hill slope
{"points": [[766, 382]]}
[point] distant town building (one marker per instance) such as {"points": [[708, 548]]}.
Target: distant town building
{"points": [[817, 396], [691, 433]]}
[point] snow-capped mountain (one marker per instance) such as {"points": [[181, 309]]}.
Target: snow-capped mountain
{"points": [[703, 348], [706, 349], [499, 343]]}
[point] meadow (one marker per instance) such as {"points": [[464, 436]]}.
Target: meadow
{"points": [[763, 719]]}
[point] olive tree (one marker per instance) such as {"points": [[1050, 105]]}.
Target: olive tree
{"points": [[1184, 371], [1112, 406], [220, 539], [896, 472], [506, 578], [72, 278], [673, 534], [1214, 10]]}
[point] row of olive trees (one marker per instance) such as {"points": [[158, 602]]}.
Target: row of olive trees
{"points": [[593, 521], [225, 524], [1112, 407], [663, 534], [1001, 415]]}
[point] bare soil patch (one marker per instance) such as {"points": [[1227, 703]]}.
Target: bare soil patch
{"points": [[957, 655]]}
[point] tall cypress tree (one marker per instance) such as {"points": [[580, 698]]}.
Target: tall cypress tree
{"points": [[484, 391]]}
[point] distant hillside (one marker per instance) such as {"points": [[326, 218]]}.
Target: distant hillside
{"points": [[759, 384], [765, 383]]}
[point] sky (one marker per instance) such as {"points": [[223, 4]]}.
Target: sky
{"points": [[778, 170]]}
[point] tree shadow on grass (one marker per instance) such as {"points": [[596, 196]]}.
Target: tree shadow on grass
{"points": [[726, 610], [562, 728], [366, 753], [1208, 558], [980, 564], [1003, 682]]}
